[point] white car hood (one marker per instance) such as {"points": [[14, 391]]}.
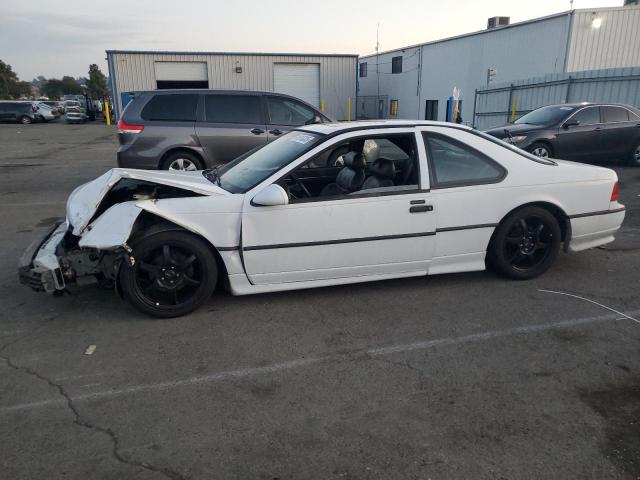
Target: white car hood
{"points": [[84, 200]]}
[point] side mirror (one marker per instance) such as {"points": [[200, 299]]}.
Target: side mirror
{"points": [[271, 196], [571, 123]]}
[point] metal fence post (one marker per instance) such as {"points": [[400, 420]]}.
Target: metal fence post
{"points": [[510, 102], [569, 82], [475, 102]]}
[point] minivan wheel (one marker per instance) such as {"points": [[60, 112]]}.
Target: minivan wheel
{"points": [[526, 243], [173, 274], [25, 120], [182, 161], [540, 150]]}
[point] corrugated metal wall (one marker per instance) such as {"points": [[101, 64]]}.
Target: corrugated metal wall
{"points": [[135, 71], [615, 44], [433, 69], [494, 106]]}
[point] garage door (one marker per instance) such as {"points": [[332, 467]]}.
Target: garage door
{"points": [[300, 80], [181, 75]]}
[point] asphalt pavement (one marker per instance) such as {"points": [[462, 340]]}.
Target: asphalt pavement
{"points": [[446, 377]]}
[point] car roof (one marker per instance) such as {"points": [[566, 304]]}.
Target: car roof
{"points": [[333, 128]]}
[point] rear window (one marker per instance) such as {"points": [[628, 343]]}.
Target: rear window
{"points": [[232, 109], [615, 114], [171, 108]]}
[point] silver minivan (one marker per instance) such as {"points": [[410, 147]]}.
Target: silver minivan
{"points": [[196, 129]]}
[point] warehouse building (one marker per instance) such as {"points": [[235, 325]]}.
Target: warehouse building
{"points": [[416, 82], [326, 81]]}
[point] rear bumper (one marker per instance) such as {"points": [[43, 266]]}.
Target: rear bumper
{"points": [[589, 231], [128, 157], [39, 267]]}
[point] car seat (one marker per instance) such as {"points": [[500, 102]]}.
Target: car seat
{"points": [[350, 178]]}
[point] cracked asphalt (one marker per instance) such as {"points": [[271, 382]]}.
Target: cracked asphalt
{"points": [[446, 377]]}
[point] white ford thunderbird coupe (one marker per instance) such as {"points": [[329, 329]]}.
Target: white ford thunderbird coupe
{"points": [[325, 205]]}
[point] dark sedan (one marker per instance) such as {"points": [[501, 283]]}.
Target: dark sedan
{"points": [[579, 131]]}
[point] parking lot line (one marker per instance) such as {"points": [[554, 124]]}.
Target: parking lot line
{"points": [[590, 301], [305, 362]]}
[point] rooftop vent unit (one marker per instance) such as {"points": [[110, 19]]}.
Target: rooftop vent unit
{"points": [[495, 22]]}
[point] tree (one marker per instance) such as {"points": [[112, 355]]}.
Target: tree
{"points": [[97, 83], [8, 81], [55, 88]]}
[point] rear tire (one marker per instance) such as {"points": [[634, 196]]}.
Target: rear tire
{"points": [[634, 155], [174, 273], [540, 149], [182, 161], [525, 244]]}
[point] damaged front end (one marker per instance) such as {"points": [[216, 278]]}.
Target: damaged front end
{"points": [[89, 246]]}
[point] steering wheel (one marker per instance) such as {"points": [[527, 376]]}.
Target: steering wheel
{"points": [[301, 185]]}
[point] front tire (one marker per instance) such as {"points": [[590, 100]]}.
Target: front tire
{"points": [[25, 120], [634, 156], [540, 149], [525, 244], [173, 274]]}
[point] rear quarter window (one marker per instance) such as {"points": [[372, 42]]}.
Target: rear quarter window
{"points": [[171, 108]]}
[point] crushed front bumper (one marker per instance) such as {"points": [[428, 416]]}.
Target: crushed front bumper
{"points": [[39, 267]]}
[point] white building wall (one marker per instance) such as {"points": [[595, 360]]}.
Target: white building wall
{"points": [[517, 51], [615, 44], [134, 71]]}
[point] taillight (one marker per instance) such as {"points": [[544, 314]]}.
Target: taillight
{"points": [[124, 127], [614, 192]]}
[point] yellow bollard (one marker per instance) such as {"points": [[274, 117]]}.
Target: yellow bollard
{"points": [[322, 105], [106, 112], [513, 109], [349, 109]]}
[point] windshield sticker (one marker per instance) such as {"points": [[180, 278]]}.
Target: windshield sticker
{"points": [[566, 108], [302, 138]]}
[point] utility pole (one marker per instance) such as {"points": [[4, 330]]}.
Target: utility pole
{"points": [[378, 70]]}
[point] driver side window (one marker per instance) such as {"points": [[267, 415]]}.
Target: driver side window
{"points": [[374, 165]]}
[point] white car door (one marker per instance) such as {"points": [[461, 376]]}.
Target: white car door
{"points": [[385, 232]]}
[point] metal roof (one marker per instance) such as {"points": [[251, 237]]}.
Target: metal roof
{"points": [[259, 54]]}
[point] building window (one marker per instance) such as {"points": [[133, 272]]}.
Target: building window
{"points": [[363, 69], [431, 110], [393, 108], [396, 64]]}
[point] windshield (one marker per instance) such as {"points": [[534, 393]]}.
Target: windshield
{"points": [[248, 170], [546, 115]]}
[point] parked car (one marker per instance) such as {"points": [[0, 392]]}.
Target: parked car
{"points": [[23, 112], [194, 129], [73, 112], [56, 106], [578, 131], [410, 199], [44, 112]]}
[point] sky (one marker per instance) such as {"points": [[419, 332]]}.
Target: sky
{"points": [[62, 37]]}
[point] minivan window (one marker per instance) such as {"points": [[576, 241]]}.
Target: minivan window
{"points": [[171, 107], [232, 109], [615, 114], [284, 111]]}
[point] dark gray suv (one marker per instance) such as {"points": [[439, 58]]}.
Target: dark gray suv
{"points": [[196, 129]]}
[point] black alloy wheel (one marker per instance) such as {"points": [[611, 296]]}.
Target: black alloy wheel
{"points": [[173, 274], [526, 243]]}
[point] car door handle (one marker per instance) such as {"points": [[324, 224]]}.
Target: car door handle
{"points": [[597, 129], [421, 208], [257, 131], [276, 132]]}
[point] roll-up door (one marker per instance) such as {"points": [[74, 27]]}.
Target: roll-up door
{"points": [[181, 75], [301, 80]]}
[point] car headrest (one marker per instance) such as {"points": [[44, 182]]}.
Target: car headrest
{"points": [[354, 160], [371, 151], [383, 168]]}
